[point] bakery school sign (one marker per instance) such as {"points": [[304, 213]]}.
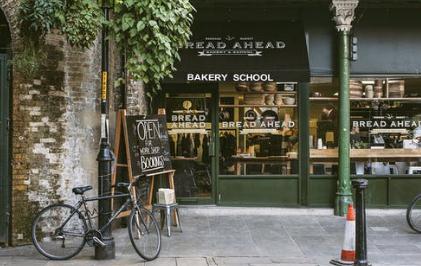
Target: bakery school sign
{"points": [[243, 51], [149, 144]]}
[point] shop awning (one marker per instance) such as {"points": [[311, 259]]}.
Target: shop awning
{"points": [[244, 51]]}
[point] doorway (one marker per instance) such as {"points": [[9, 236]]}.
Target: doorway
{"points": [[4, 131], [191, 123], [4, 150]]}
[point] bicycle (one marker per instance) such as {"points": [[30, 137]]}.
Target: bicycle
{"points": [[413, 214], [60, 231]]}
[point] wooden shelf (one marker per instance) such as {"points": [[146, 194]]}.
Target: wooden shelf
{"points": [[364, 154], [268, 92], [408, 99], [323, 98], [260, 159], [257, 105]]}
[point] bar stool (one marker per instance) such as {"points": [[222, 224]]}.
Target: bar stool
{"points": [[168, 209]]}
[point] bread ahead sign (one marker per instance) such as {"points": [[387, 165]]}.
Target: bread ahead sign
{"points": [[232, 46], [244, 51]]}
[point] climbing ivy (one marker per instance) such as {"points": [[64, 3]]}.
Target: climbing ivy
{"points": [[79, 20], [38, 17], [83, 19], [151, 32]]}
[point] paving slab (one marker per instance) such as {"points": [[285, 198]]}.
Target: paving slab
{"points": [[192, 262], [241, 236]]}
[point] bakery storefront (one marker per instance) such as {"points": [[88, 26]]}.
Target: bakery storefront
{"points": [[252, 109]]}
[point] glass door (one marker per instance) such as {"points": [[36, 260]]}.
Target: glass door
{"points": [[191, 131]]}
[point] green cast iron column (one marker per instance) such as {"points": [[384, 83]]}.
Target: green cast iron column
{"points": [[344, 193]]}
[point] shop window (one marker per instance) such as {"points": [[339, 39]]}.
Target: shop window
{"points": [[189, 128], [385, 127], [258, 129]]}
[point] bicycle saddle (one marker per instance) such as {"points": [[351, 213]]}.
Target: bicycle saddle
{"points": [[81, 190]]}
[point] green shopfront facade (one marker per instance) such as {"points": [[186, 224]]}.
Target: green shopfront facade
{"points": [[254, 108]]}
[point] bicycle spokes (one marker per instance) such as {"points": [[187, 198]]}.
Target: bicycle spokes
{"points": [[58, 232], [144, 233]]}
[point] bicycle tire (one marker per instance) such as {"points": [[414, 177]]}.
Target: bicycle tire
{"points": [[45, 229], [410, 215], [147, 226]]}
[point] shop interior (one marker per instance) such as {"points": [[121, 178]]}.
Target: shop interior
{"points": [[385, 126], [258, 129]]}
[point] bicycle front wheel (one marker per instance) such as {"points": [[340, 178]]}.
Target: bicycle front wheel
{"points": [[413, 214], [144, 233], [58, 232]]}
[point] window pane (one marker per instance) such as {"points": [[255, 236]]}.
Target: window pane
{"points": [[385, 126], [258, 129], [323, 139]]}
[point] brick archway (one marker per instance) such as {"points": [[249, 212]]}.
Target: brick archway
{"points": [[10, 11]]}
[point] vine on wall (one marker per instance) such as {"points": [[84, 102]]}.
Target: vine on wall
{"points": [[79, 20], [149, 32]]}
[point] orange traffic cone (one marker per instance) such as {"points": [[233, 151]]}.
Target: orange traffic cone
{"points": [[348, 248]]}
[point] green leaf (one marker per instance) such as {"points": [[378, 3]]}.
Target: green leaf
{"points": [[152, 32], [140, 25]]}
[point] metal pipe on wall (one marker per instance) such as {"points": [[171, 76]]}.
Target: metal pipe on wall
{"points": [[105, 156]]}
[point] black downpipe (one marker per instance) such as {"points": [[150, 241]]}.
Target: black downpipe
{"points": [[105, 156]]}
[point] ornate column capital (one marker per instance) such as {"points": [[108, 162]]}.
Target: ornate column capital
{"points": [[344, 11]]}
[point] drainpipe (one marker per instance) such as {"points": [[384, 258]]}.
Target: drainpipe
{"points": [[343, 16], [105, 157]]}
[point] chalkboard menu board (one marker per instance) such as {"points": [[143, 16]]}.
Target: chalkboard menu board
{"points": [[149, 144]]}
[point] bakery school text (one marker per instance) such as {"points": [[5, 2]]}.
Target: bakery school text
{"points": [[215, 77]]}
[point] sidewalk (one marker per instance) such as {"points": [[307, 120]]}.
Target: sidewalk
{"points": [[254, 236]]}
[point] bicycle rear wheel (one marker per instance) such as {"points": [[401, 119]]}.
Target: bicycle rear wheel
{"points": [[144, 233], [58, 232], [413, 214]]}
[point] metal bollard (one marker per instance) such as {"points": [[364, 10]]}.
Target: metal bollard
{"points": [[360, 223]]}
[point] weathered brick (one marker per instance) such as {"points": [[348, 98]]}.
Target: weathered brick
{"points": [[55, 123]]}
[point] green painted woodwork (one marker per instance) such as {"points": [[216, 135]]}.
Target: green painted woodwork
{"points": [[304, 132], [4, 150], [403, 190], [376, 193], [322, 190], [259, 191], [383, 191], [344, 194]]}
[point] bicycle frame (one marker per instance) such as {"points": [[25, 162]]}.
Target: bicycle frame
{"points": [[88, 217]]}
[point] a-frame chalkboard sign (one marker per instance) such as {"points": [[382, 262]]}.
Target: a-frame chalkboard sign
{"points": [[147, 150]]}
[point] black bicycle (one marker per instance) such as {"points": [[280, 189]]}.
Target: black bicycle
{"points": [[413, 214], [60, 231]]}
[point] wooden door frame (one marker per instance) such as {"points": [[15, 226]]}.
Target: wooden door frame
{"points": [[5, 179]]}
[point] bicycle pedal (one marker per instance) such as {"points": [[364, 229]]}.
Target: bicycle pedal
{"points": [[98, 242]]}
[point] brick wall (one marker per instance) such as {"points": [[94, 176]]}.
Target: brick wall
{"points": [[55, 125], [55, 132], [135, 98]]}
